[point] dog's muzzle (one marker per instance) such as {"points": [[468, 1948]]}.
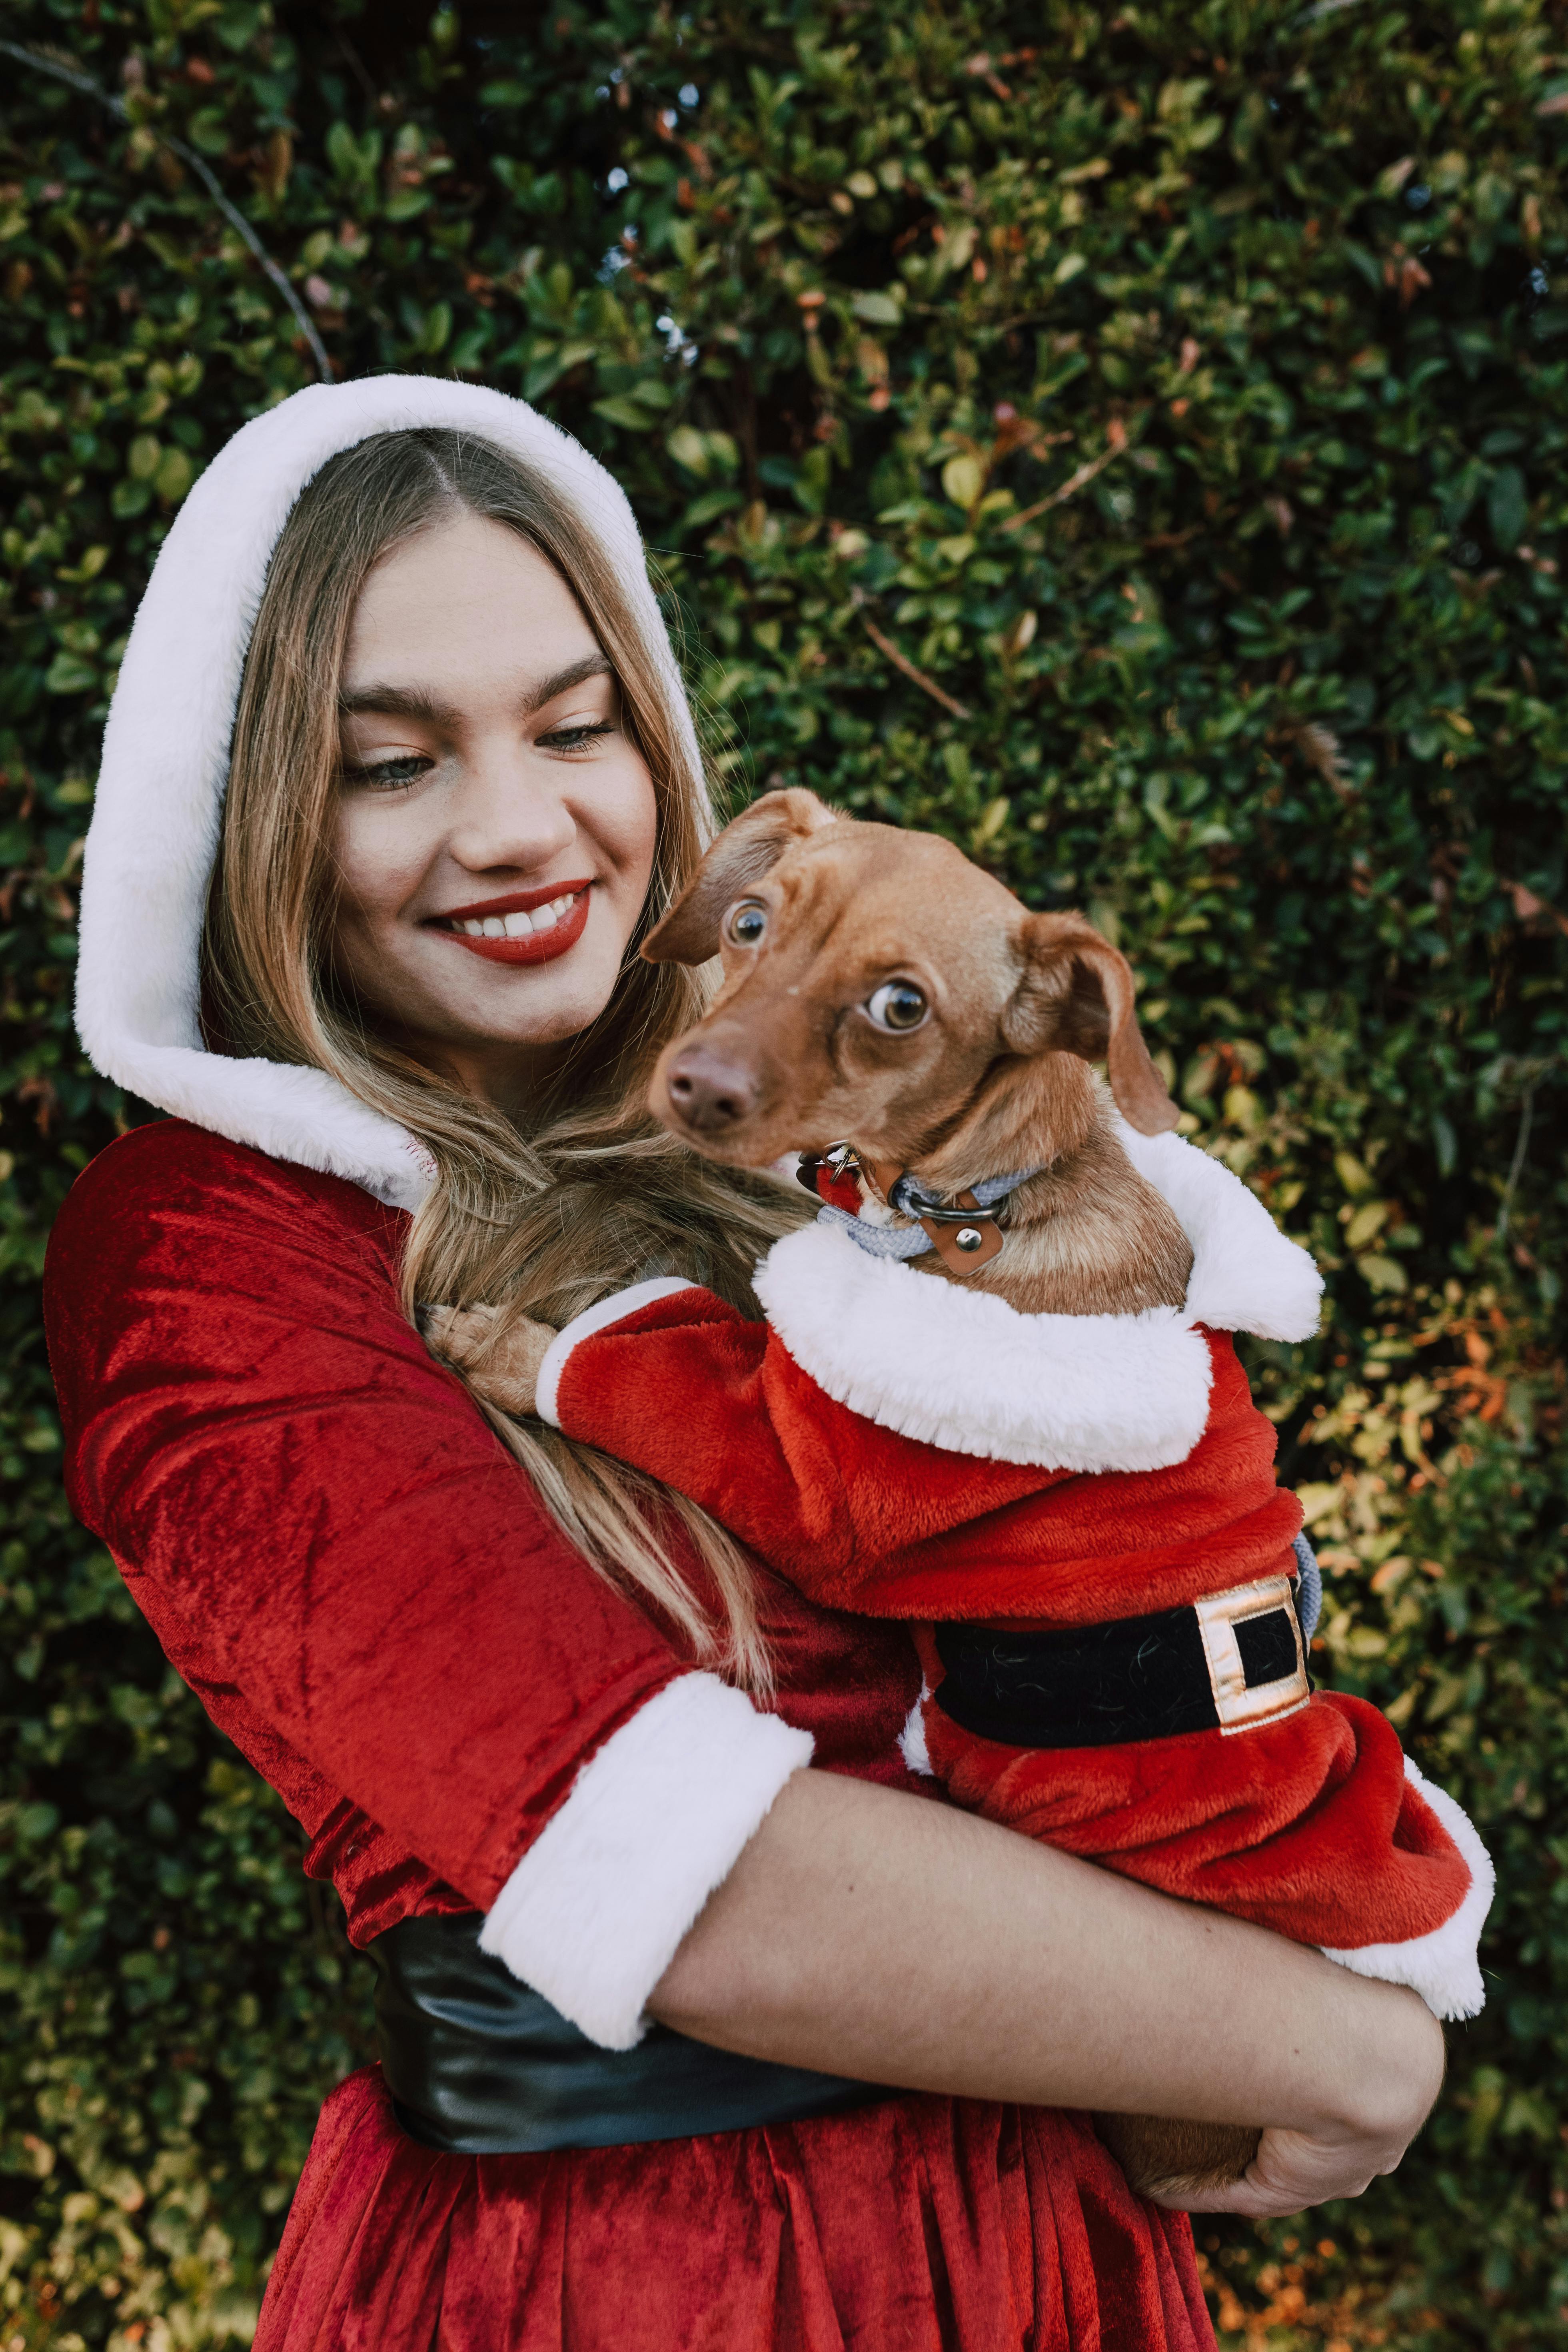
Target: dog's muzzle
{"points": [[1230, 1662]]}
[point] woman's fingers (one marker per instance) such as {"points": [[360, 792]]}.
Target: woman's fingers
{"points": [[1290, 2172], [1294, 2169]]}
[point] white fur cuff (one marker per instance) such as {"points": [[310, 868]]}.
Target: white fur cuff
{"points": [[1441, 1967], [593, 1913], [597, 1318]]}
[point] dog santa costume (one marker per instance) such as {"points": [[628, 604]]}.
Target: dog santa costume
{"points": [[1079, 1517]]}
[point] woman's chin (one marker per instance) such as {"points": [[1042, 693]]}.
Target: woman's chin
{"points": [[528, 1007]]}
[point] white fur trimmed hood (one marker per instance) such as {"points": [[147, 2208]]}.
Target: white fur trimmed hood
{"points": [[962, 1369], [154, 831]]}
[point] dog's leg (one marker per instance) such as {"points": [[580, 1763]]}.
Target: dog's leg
{"points": [[1164, 2159], [500, 1357]]}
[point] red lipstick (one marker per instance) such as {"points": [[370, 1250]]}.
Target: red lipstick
{"points": [[562, 906]]}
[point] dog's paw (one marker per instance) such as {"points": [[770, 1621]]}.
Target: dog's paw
{"points": [[497, 1354]]}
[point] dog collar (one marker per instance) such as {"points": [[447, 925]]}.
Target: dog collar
{"points": [[963, 1237]]}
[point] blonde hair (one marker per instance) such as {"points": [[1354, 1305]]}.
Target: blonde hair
{"points": [[594, 1194]]}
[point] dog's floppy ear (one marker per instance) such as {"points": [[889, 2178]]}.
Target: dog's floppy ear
{"points": [[1076, 997], [745, 851]]}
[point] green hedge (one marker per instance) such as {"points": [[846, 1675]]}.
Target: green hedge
{"points": [[1129, 441]]}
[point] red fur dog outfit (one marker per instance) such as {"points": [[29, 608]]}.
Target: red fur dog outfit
{"points": [[908, 1448]]}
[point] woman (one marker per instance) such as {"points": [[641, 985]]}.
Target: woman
{"points": [[398, 772]]}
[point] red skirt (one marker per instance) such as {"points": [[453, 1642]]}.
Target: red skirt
{"points": [[915, 2225]]}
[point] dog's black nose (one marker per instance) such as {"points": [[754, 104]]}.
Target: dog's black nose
{"points": [[707, 1093]]}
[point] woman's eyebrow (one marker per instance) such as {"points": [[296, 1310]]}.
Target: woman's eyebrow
{"points": [[398, 702], [418, 702], [594, 665]]}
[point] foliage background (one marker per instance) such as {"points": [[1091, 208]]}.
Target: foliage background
{"points": [[1129, 441]]}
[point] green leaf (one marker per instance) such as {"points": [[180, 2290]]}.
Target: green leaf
{"points": [[878, 309], [618, 409], [175, 476], [1508, 507], [963, 480]]}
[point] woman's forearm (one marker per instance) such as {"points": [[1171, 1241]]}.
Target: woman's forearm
{"points": [[868, 1933]]}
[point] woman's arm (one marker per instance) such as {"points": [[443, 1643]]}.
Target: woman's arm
{"points": [[866, 1933], [354, 1577]]}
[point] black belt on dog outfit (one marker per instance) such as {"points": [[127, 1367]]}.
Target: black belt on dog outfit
{"points": [[480, 2064], [1227, 1663]]}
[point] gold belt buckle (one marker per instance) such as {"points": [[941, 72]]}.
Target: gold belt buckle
{"points": [[1238, 1707]]}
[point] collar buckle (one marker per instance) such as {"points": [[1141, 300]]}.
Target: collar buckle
{"points": [[964, 1237]]}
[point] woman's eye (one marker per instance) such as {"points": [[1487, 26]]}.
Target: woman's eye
{"points": [[388, 775], [575, 738], [897, 1004], [746, 923]]}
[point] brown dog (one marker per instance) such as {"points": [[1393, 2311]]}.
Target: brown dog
{"points": [[877, 987]]}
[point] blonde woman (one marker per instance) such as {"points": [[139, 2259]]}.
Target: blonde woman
{"points": [[699, 2025]]}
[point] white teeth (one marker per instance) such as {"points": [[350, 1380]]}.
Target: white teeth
{"points": [[519, 924]]}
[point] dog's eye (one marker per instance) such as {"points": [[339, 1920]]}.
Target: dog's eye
{"points": [[897, 1004], [746, 923]]}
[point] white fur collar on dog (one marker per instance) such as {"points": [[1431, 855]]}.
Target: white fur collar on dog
{"points": [[154, 830], [963, 1370]]}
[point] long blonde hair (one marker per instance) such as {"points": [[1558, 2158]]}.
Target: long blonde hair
{"points": [[593, 1194]]}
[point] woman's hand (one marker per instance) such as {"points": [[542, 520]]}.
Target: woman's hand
{"points": [[1293, 2169], [499, 1356]]}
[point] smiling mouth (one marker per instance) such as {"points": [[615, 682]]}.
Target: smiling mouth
{"points": [[525, 926]]}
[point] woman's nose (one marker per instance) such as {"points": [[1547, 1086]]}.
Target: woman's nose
{"points": [[510, 812]]}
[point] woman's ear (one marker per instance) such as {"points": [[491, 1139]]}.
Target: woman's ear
{"points": [[1075, 996], [745, 851]]}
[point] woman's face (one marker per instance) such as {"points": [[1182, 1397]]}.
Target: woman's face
{"points": [[495, 824]]}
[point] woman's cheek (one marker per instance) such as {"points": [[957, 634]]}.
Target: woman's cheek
{"points": [[629, 827], [379, 857], [379, 867]]}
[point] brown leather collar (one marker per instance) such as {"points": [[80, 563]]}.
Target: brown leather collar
{"points": [[963, 1244]]}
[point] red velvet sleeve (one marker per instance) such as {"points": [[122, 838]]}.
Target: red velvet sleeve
{"points": [[334, 1550], [715, 1406]]}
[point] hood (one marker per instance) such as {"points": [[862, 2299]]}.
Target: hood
{"points": [[154, 831]]}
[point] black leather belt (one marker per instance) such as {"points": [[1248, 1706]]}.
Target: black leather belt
{"points": [[1226, 1663], [478, 2065]]}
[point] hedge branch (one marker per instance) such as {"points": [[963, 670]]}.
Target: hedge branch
{"points": [[1521, 1145], [236, 220], [1116, 436], [884, 644]]}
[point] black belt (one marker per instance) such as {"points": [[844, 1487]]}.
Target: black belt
{"points": [[478, 2065], [1228, 1663]]}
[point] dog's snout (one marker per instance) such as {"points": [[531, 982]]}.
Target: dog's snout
{"points": [[709, 1093]]}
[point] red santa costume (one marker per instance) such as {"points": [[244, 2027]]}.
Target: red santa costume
{"points": [[367, 1596], [1079, 1515]]}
